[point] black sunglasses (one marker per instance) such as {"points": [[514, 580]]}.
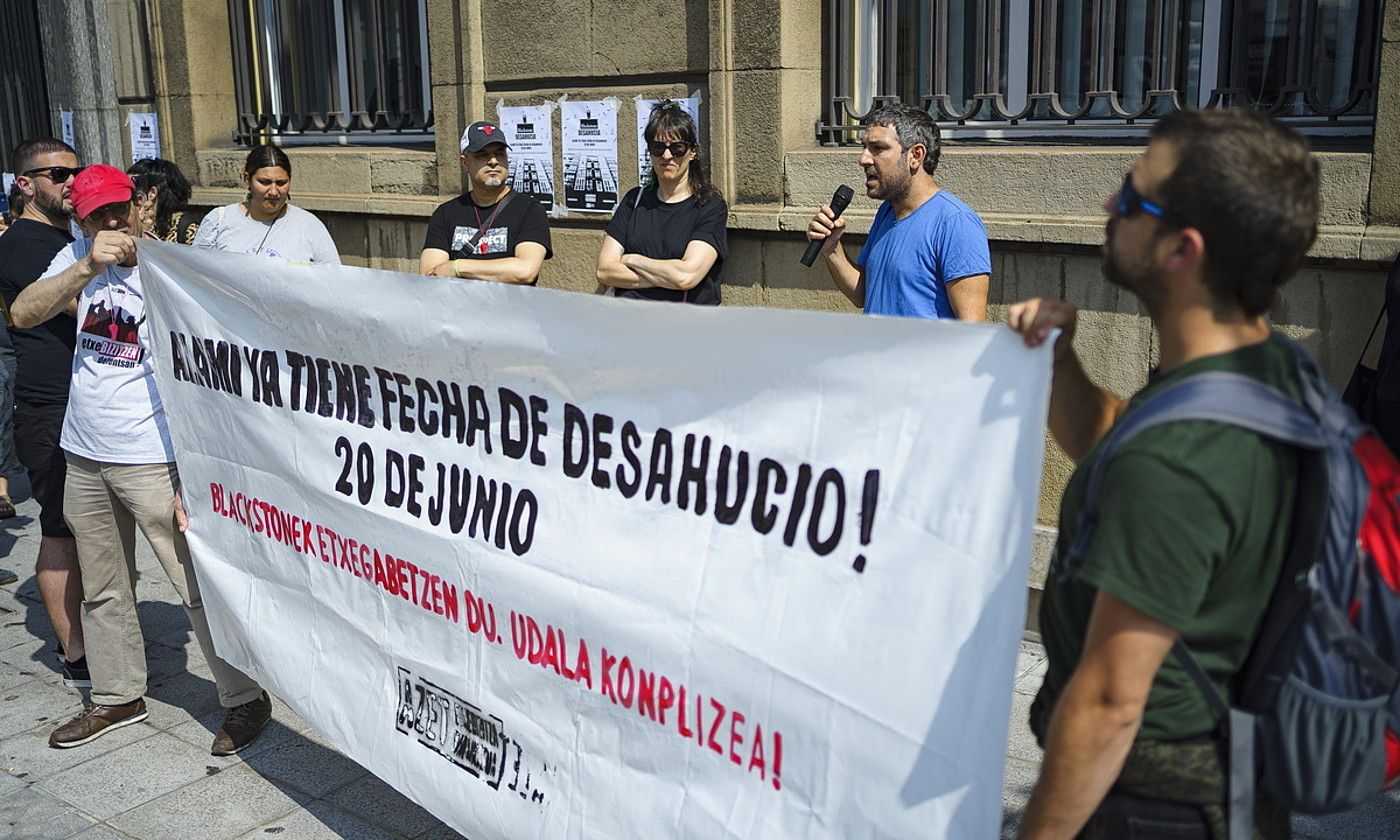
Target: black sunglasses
{"points": [[57, 174], [1131, 201], [657, 148]]}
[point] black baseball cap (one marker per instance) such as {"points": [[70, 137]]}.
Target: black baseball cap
{"points": [[481, 134]]}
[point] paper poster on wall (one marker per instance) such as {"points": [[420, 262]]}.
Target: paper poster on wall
{"points": [[691, 104], [145, 137], [530, 129], [590, 155], [65, 120]]}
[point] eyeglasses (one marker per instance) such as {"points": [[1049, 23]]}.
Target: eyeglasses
{"points": [[57, 174], [677, 149], [119, 210], [1131, 201]]}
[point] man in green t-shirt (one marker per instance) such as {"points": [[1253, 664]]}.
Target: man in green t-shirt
{"points": [[1215, 215]]}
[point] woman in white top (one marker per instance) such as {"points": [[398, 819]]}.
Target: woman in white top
{"points": [[266, 223]]}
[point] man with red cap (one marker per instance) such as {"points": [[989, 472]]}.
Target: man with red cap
{"points": [[121, 467]]}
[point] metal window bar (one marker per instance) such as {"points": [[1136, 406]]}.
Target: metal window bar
{"points": [[24, 101], [330, 70], [1104, 64]]}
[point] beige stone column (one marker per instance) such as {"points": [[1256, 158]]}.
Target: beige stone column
{"points": [[1385, 162], [765, 92], [458, 77], [192, 54]]}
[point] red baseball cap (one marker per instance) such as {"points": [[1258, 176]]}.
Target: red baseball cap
{"points": [[99, 185]]}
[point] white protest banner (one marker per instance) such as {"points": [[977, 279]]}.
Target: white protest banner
{"points": [[691, 104], [590, 155], [563, 566], [530, 129]]}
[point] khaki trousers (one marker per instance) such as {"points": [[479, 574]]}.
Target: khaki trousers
{"points": [[104, 504]]}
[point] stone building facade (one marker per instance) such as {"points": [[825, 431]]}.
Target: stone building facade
{"points": [[763, 69]]}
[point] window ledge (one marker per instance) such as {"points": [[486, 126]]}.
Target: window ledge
{"points": [[1368, 243], [349, 171], [1046, 181]]}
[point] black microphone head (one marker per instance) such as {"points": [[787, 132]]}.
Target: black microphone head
{"points": [[841, 199]]}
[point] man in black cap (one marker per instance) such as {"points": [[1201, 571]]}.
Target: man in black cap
{"points": [[488, 232]]}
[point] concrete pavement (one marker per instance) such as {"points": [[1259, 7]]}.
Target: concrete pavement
{"points": [[156, 780]]}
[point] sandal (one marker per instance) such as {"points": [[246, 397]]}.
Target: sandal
{"points": [[7, 507]]}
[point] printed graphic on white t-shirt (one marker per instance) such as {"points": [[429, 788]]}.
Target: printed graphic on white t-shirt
{"points": [[493, 242], [111, 327]]}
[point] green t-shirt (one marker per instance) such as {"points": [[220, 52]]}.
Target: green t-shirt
{"points": [[1194, 525]]}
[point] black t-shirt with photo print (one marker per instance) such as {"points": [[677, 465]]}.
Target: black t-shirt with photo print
{"points": [[454, 223], [45, 352]]}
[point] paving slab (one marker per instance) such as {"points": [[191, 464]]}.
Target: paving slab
{"points": [[178, 699], [442, 832], [220, 806], [101, 832], [29, 812], [320, 820], [307, 766], [28, 755], [378, 803], [34, 704], [1016, 789], [126, 778]]}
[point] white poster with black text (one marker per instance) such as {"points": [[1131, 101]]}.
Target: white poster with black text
{"points": [[590, 155], [530, 131], [497, 546]]}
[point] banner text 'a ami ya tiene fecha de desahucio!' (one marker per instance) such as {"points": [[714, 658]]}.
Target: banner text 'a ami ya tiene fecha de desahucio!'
{"points": [[557, 565]]}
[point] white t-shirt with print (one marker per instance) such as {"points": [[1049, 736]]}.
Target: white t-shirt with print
{"points": [[114, 412], [296, 235]]}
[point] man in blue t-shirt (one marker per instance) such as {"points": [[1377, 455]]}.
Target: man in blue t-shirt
{"points": [[927, 254]]}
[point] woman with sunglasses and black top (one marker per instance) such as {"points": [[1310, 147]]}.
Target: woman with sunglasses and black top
{"points": [[666, 240]]}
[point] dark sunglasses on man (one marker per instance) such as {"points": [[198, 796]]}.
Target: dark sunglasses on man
{"points": [[1131, 201], [57, 174], [657, 148]]}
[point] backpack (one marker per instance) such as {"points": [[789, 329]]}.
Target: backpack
{"points": [[1313, 714], [1375, 392]]}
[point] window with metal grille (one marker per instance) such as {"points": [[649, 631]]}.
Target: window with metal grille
{"points": [[24, 101], [331, 70], [1000, 68]]}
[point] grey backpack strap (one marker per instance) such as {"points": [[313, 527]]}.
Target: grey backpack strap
{"points": [[1236, 727], [1230, 398]]}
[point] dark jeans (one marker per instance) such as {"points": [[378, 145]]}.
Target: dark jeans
{"points": [[1122, 816]]}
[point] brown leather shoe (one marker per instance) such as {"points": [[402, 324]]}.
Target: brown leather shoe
{"points": [[96, 721], [242, 725]]}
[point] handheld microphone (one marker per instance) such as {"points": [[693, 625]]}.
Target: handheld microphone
{"points": [[839, 200]]}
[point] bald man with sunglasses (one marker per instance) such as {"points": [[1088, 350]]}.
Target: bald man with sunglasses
{"points": [[44, 358]]}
